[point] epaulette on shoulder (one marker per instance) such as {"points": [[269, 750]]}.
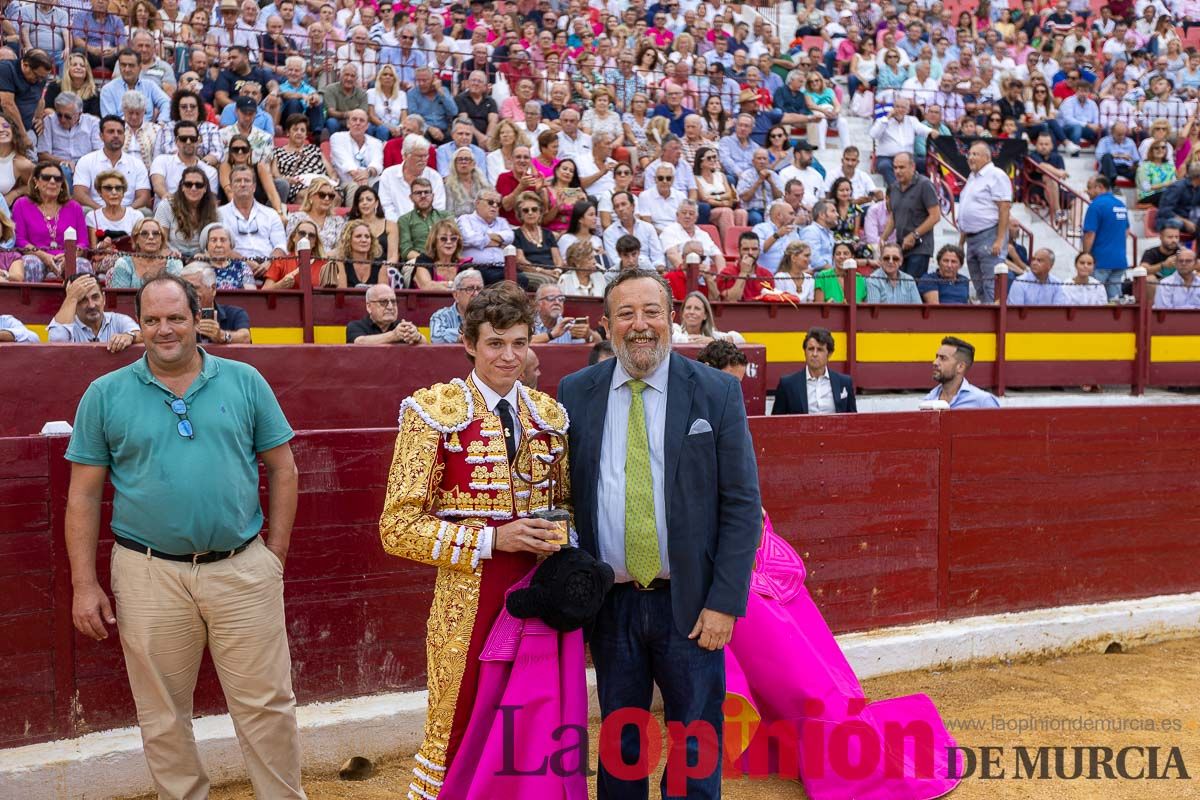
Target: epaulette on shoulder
{"points": [[445, 407], [547, 413]]}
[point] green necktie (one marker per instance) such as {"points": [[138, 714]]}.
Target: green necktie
{"points": [[641, 535]]}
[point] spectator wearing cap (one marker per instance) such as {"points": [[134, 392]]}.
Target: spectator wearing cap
{"points": [[22, 84], [766, 118], [249, 100], [803, 169]]}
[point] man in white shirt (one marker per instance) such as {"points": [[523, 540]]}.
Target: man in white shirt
{"points": [[684, 230], [672, 152], [983, 214], [895, 134], [112, 156], [659, 205], [395, 184], [357, 157], [571, 140], [801, 169], [920, 88], [358, 51], [865, 190], [256, 230], [626, 222], [595, 166], [68, 134], [167, 170], [485, 234]]}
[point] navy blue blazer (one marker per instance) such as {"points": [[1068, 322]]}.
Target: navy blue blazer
{"points": [[714, 511], [792, 395]]}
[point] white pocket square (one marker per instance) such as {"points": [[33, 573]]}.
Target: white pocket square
{"points": [[700, 426], [843, 397]]}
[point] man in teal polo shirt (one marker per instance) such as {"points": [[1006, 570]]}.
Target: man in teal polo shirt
{"points": [[180, 432]]}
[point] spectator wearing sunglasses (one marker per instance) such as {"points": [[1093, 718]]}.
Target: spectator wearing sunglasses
{"points": [[40, 220], [68, 134], [82, 318], [320, 198], [111, 224], [150, 256], [191, 545], [112, 155], [167, 170]]}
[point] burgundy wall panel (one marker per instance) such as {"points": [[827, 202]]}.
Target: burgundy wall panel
{"points": [[900, 518]]}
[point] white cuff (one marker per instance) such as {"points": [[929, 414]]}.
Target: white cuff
{"points": [[484, 544]]}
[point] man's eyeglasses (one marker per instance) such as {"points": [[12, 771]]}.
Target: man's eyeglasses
{"points": [[180, 409], [663, 178], [469, 289], [890, 259], [555, 299], [486, 201], [385, 303], [188, 139], [190, 185]]}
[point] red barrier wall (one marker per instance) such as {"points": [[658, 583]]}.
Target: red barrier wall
{"points": [[318, 386], [900, 518]]}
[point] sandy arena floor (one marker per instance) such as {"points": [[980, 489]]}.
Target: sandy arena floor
{"points": [[983, 705]]}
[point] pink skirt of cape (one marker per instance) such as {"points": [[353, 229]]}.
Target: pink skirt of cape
{"points": [[786, 667], [540, 672]]}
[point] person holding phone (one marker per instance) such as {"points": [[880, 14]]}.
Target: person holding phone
{"points": [[219, 324], [549, 324]]}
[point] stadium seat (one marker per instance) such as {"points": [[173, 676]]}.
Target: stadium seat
{"points": [[713, 234], [1151, 217], [730, 246]]}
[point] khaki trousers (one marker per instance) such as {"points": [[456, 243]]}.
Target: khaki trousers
{"points": [[167, 611]]}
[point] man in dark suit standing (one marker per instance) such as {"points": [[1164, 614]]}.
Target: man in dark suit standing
{"points": [[817, 389], [664, 489]]}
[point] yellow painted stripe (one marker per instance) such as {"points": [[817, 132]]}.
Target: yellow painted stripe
{"points": [[277, 335], [1174, 348], [43, 331], [789, 346], [918, 347], [1071, 346]]}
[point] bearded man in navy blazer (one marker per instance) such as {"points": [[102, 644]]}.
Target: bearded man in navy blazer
{"points": [[816, 389], [664, 489]]}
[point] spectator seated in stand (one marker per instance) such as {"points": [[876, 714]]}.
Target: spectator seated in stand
{"points": [[725, 356], [1035, 287], [445, 324], [946, 286], [382, 324], [11, 330], [890, 284], [219, 324], [82, 317]]}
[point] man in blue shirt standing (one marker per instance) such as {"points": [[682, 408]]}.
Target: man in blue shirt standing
{"points": [[950, 365], [1104, 230]]}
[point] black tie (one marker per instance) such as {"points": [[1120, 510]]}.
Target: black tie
{"points": [[504, 410]]}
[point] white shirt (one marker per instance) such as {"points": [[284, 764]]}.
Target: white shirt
{"points": [[978, 207], [367, 62], [685, 180], [171, 168], [661, 210], [610, 490], [129, 165], [114, 324], [395, 193], [488, 535], [861, 184], [255, 235], [21, 334], [571, 148], [893, 138], [674, 236], [820, 393], [1091, 293], [569, 283], [814, 183], [347, 154], [586, 165]]}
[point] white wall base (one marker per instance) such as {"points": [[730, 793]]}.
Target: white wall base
{"points": [[110, 763]]}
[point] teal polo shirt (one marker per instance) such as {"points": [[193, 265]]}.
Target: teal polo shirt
{"points": [[175, 494]]}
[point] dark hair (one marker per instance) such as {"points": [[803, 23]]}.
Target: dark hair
{"points": [[952, 248], [35, 194], [112, 118], [602, 348], [354, 213], [574, 182], [628, 244], [627, 194], [577, 211], [36, 57], [190, 219], [964, 351], [502, 305], [181, 94], [699, 158], [293, 120], [193, 300], [128, 51], [195, 126], [820, 336], [747, 236], [720, 354], [74, 276], [632, 275], [833, 189], [1102, 182]]}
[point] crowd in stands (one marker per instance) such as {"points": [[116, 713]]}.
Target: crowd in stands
{"points": [[414, 145]]}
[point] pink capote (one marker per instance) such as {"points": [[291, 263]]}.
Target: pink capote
{"points": [[531, 666], [783, 666]]}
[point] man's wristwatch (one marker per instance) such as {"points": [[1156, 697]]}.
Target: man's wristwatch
{"points": [[226, 337]]}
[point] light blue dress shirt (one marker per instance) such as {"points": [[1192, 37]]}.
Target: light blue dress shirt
{"points": [[610, 490], [968, 396], [1027, 290], [158, 105]]}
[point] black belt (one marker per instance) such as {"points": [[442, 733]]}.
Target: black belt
{"points": [[207, 557], [653, 586]]}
